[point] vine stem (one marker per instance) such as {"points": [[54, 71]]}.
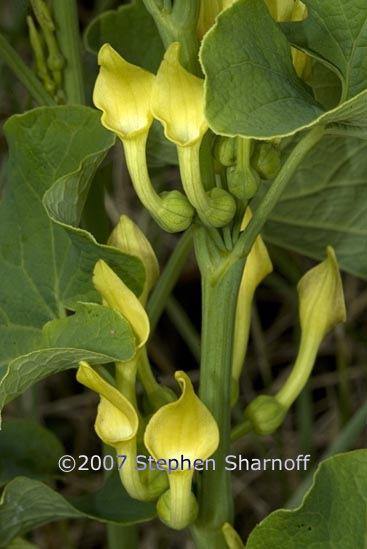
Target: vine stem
{"points": [[67, 25], [24, 74], [219, 300], [221, 277], [169, 278], [261, 214]]}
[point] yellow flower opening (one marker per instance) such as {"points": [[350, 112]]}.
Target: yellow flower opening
{"points": [[321, 307], [321, 298], [117, 425], [122, 91], [178, 100], [116, 420], [187, 429]]}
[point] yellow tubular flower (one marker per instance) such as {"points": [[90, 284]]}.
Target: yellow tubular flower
{"points": [[182, 429], [258, 266], [178, 103], [178, 100], [233, 540], [119, 297], [321, 308], [128, 238], [117, 425], [122, 91]]}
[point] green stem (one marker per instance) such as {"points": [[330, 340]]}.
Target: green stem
{"points": [[169, 278], [258, 220], [218, 320], [179, 25], [24, 74], [67, 25]]}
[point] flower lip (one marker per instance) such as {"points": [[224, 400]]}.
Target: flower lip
{"points": [[178, 100], [116, 420], [182, 428], [122, 91]]}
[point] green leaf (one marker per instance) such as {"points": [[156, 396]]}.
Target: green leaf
{"points": [[336, 34], [333, 514], [326, 86], [26, 504], [326, 204], [160, 151], [94, 333], [131, 31], [44, 268], [252, 89], [27, 448]]}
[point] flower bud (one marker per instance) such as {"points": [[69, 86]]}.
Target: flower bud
{"points": [[233, 540], [266, 160], [119, 297], [225, 150], [128, 238], [242, 182], [321, 307]]}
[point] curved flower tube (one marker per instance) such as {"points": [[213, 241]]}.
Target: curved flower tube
{"points": [[120, 298], [122, 91], [182, 429], [178, 103], [321, 307], [117, 425], [258, 265]]}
